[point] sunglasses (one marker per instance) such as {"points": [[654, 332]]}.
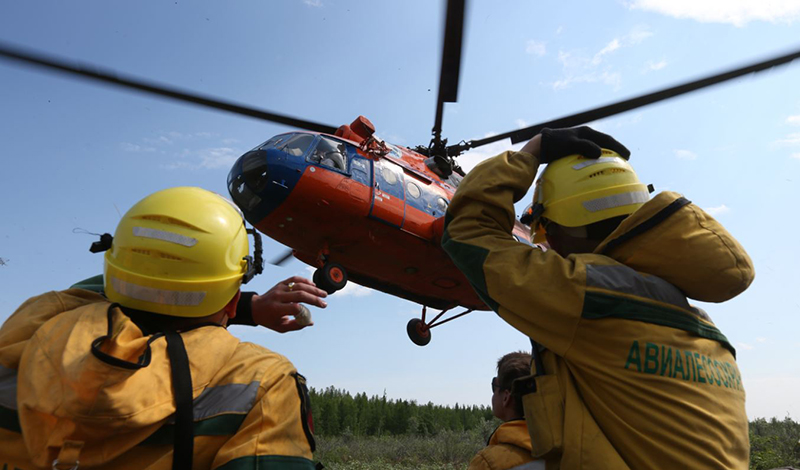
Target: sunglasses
{"points": [[495, 386]]}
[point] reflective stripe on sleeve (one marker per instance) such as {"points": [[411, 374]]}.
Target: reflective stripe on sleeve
{"points": [[627, 281], [230, 398]]}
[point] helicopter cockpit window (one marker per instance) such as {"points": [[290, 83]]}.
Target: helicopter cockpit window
{"points": [[296, 145], [329, 153], [273, 142]]}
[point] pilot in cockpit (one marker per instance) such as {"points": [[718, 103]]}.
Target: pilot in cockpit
{"points": [[329, 153]]}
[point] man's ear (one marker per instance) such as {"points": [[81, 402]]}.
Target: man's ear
{"points": [[230, 308], [508, 399]]}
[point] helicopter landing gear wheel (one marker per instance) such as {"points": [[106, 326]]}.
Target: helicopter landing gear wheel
{"points": [[331, 277], [418, 332]]}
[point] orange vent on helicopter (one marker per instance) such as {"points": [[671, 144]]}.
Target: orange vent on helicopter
{"points": [[359, 130]]}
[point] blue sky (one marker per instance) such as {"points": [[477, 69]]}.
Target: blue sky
{"points": [[76, 155]]}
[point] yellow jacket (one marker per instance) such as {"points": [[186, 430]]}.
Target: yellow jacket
{"points": [[509, 448], [635, 377], [57, 396]]}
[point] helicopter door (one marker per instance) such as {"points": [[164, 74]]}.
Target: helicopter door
{"points": [[388, 196]]}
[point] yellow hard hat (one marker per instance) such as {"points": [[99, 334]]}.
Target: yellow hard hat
{"points": [[181, 252], [575, 191]]}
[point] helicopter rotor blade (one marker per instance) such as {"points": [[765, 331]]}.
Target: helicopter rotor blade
{"points": [[451, 60], [280, 261], [584, 117], [92, 72]]}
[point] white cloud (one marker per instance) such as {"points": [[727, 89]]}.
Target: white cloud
{"points": [[685, 154], [735, 12], [652, 65], [717, 211], [761, 339], [578, 67], [158, 140], [791, 139], [536, 48], [521, 123], [638, 34], [796, 156], [217, 157], [606, 77], [313, 3], [129, 147], [744, 346], [207, 159], [610, 47], [793, 120]]}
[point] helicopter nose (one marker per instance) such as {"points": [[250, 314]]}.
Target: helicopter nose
{"points": [[261, 180], [248, 178]]}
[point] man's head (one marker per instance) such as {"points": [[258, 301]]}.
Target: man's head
{"points": [[506, 406], [579, 201], [180, 252]]}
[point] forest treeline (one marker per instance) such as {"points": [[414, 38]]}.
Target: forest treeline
{"points": [[337, 412], [358, 428]]}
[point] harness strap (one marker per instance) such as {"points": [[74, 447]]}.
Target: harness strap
{"points": [[182, 388]]}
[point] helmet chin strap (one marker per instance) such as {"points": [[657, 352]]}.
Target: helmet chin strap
{"points": [[255, 263]]}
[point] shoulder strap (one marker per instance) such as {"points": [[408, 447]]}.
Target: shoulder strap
{"points": [[182, 389]]}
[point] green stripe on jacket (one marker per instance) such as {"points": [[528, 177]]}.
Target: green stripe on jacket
{"points": [[469, 259], [598, 305]]}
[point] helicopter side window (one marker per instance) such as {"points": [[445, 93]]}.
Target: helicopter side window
{"points": [[389, 178], [413, 190], [297, 144], [424, 197], [359, 170], [329, 153]]}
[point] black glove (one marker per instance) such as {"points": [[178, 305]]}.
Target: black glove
{"points": [[558, 143]]}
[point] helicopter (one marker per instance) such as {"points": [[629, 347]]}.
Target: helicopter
{"points": [[358, 208]]}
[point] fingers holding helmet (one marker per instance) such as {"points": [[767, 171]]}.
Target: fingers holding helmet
{"points": [[585, 141]]}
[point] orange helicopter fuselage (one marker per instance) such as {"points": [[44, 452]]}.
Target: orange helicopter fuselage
{"points": [[373, 208]]}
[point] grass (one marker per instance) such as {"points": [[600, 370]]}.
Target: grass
{"points": [[448, 450]]}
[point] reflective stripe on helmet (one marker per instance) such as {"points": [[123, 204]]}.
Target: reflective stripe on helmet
{"points": [[594, 161], [164, 235], [157, 296], [615, 200]]}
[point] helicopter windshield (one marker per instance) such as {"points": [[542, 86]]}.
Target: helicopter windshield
{"points": [[295, 145], [329, 153]]}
